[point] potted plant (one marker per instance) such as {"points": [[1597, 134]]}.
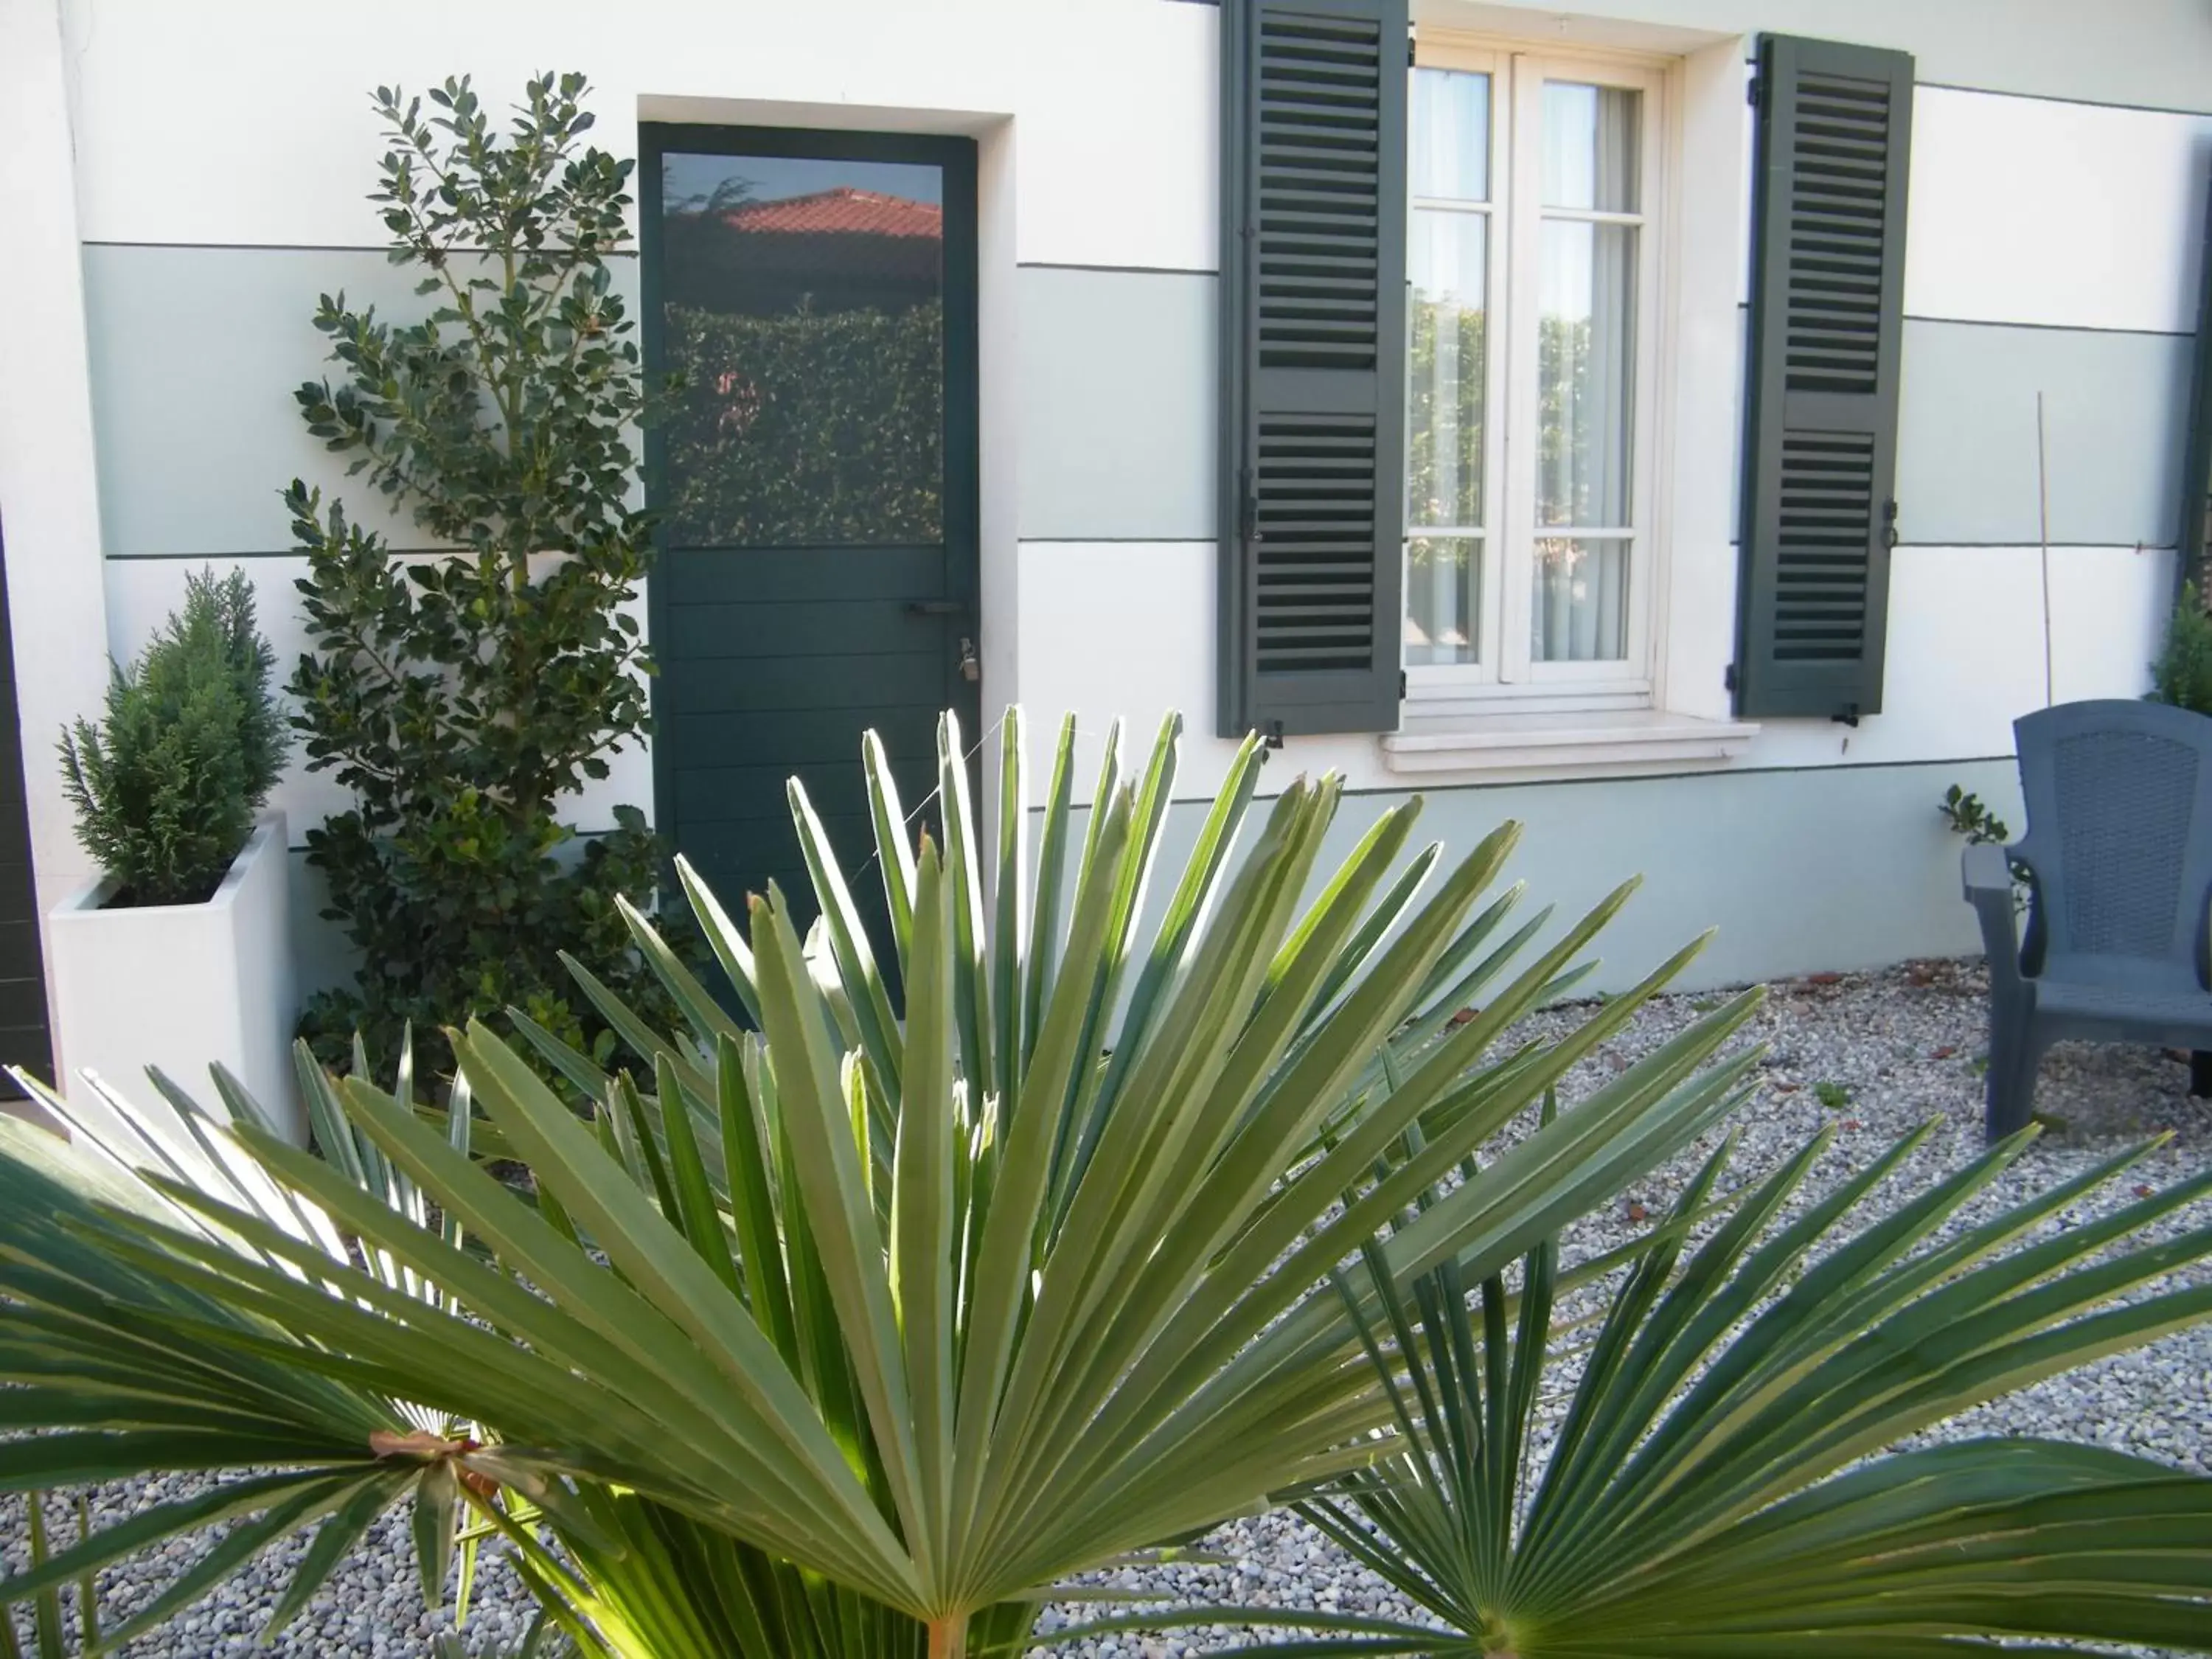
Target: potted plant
{"points": [[179, 954], [2182, 675]]}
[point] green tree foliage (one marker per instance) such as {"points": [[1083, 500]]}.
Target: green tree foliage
{"points": [[1566, 361], [806, 429], [1452, 340], [1447, 340], [1969, 815], [462, 697], [167, 785], [2182, 675]]}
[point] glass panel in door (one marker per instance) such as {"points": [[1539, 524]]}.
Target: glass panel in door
{"points": [[814, 480]]}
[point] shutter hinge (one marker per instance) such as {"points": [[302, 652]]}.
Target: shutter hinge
{"points": [[1401, 685], [1412, 52], [1850, 716], [1247, 508], [1889, 524], [1727, 678], [1271, 734], [1753, 90]]}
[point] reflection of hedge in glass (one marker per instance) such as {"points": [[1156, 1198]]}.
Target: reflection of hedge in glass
{"points": [[1572, 433], [807, 428], [1449, 493], [1581, 419]]}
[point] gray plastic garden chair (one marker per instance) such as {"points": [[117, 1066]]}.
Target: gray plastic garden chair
{"points": [[2118, 852]]}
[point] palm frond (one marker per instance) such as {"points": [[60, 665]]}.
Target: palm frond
{"points": [[121, 1367], [1707, 1489]]}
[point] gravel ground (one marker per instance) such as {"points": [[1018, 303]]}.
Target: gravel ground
{"points": [[1894, 1050]]}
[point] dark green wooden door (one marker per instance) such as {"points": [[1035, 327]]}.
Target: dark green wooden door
{"points": [[817, 480]]}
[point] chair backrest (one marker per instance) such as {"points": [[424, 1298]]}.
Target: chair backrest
{"points": [[2119, 834]]}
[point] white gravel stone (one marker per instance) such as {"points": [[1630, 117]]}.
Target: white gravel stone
{"points": [[1903, 1046]]}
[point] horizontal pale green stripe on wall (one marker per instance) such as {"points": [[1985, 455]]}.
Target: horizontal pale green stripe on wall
{"points": [[195, 353], [1117, 440], [2114, 410], [1118, 375]]}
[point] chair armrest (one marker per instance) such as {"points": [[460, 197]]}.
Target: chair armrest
{"points": [[1985, 871]]}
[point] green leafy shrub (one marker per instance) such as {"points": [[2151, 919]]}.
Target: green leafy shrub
{"points": [[809, 427], [2182, 675], [461, 697], [167, 785], [1968, 816]]}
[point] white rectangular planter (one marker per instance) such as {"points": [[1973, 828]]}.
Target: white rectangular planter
{"points": [[183, 987]]}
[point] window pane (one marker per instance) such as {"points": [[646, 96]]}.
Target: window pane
{"points": [[1589, 146], [1580, 612], [1445, 368], [1585, 373], [1444, 598], [1451, 139], [804, 301]]}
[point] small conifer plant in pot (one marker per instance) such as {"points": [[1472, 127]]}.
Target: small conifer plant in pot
{"points": [[178, 953]]}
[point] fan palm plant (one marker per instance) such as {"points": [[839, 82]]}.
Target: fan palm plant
{"points": [[1715, 1482], [122, 1374], [117, 1369], [945, 1302], [119, 1372]]}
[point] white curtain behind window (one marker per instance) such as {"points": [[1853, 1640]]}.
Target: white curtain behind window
{"points": [[1587, 356]]}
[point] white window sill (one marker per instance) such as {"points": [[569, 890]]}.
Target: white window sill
{"points": [[1512, 747]]}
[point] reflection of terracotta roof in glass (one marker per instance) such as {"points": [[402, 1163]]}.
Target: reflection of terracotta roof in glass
{"points": [[843, 211]]}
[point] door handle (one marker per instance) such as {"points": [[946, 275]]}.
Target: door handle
{"points": [[971, 664]]}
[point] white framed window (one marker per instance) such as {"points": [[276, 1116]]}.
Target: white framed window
{"points": [[1533, 271]]}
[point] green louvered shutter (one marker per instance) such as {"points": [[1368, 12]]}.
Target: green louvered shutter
{"points": [[1828, 297], [1313, 292]]}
